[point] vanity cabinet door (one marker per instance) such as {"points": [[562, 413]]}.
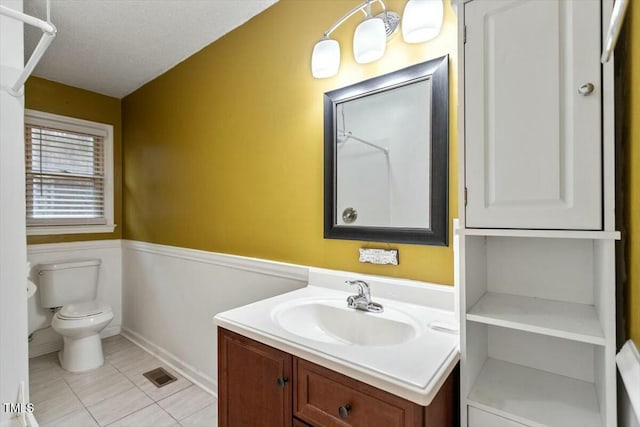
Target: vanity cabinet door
{"points": [[254, 383], [533, 101], [326, 398]]}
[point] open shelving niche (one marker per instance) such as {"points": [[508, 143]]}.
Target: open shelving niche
{"points": [[540, 336]]}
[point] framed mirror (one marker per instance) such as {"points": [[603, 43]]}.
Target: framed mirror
{"points": [[386, 166]]}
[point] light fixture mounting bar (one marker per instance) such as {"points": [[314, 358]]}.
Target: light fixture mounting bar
{"points": [[361, 7]]}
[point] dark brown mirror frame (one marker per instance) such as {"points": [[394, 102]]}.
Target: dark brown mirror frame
{"points": [[438, 71]]}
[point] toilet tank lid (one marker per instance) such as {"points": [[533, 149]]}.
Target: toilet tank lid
{"points": [[61, 265]]}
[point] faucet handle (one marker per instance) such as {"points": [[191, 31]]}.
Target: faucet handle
{"points": [[351, 301]]}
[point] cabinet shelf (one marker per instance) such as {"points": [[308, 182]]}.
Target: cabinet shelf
{"points": [[552, 234], [578, 322], [534, 397], [537, 263]]}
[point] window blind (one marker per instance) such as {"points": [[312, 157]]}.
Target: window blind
{"points": [[65, 177]]}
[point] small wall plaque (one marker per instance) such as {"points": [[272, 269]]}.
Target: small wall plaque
{"points": [[379, 256]]}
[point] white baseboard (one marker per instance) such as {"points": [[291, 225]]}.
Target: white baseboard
{"points": [[110, 331], [54, 342], [45, 347], [189, 372]]}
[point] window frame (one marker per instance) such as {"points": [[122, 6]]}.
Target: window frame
{"points": [[72, 124]]}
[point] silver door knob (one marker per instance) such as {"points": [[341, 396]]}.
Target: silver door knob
{"points": [[586, 89]]}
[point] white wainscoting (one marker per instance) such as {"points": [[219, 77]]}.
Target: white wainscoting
{"points": [[45, 340], [171, 294]]}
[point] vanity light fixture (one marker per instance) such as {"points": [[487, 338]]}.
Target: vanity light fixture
{"points": [[422, 21], [369, 40], [325, 59]]}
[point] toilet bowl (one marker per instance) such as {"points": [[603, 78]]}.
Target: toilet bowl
{"points": [[80, 326], [70, 289]]}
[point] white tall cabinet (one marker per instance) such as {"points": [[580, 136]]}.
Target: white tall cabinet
{"points": [[537, 237]]}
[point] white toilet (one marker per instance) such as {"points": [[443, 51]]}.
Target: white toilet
{"points": [[72, 287]]}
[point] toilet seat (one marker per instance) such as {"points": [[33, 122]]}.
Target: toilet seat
{"points": [[83, 310], [80, 326]]}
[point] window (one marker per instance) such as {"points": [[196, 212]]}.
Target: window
{"points": [[69, 175]]}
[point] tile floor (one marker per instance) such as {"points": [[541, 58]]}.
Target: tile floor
{"points": [[116, 394]]}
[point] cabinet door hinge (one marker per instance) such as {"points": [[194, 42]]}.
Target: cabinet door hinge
{"points": [[465, 196], [464, 34]]}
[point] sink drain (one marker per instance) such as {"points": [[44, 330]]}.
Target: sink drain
{"points": [[159, 377]]}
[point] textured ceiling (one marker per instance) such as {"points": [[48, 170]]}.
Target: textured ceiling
{"points": [[115, 46]]}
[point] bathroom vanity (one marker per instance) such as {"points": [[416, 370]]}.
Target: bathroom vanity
{"points": [[306, 359], [261, 385]]}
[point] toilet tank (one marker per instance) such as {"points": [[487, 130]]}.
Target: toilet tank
{"points": [[68, 282]]}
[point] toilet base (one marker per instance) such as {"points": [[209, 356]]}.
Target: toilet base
{"points": [[81, 354]]}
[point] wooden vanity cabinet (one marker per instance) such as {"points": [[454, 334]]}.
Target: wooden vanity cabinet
{"points": [[249, 393], [325, 398], [254, 383]]}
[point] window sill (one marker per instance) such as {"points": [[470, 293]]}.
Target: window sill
{"points": [[69, 229]]}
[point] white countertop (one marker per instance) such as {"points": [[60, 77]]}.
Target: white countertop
{"points": [[414, 369]]}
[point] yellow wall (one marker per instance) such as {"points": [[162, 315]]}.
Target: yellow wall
{"points": [[225, 151], [632, 170], [52, 97]]}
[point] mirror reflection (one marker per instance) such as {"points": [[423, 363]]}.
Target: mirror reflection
{"points": [[382, 158], [386, 157]]}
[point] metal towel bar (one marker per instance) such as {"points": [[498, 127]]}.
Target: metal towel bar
{"points": [[48, 34]]}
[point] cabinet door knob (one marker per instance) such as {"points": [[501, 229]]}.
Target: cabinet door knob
{"points": [[282, 381], [344, 411], [586, 89]]}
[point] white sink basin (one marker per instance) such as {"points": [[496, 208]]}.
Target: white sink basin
{"points": [[406, 350], [331, 321]]}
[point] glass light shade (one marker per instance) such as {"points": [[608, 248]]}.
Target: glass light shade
{"points": [[325, 59], [369, 41], [422, 20]]}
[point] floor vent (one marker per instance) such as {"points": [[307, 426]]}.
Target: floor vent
{"points": [[159, 377]]}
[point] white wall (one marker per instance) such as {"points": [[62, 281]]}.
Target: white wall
{"points": [[13, 299], [170, 296], [109, 287]]}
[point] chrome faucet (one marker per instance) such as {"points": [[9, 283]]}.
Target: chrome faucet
{"points": [[362, 301]]}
